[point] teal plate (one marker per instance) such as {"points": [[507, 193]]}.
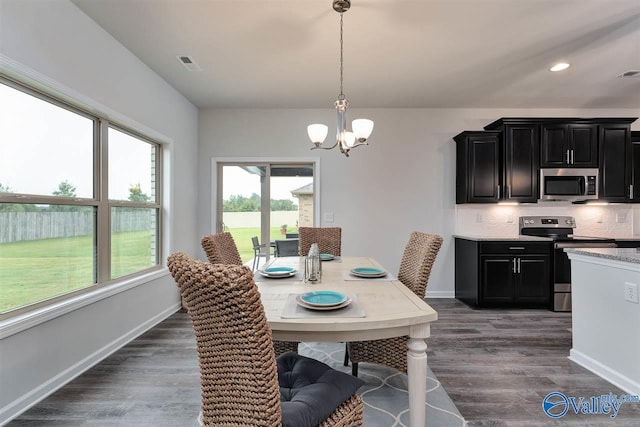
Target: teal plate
{"points": [[368, 272], [323, 298], [278, 272], [326, 257]]}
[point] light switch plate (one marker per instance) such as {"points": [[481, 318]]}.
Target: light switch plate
{"points": [[631, 292]]}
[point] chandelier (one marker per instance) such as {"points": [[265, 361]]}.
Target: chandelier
{"points": [[362, 128]]}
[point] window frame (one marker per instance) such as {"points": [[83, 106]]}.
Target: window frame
{"points": [[99, 201]]}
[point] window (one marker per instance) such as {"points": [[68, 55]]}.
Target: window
{"points": [[79, 200]]}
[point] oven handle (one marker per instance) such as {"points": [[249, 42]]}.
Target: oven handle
{"points": [[562, 245]]}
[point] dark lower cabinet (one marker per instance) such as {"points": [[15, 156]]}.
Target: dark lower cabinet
{"points": [[503, 273]]}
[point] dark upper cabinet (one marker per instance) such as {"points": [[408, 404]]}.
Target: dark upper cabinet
{"points": [[521, 151], [502, 163], [615, 162], [478, 169], [568, 145], [635, 166]]}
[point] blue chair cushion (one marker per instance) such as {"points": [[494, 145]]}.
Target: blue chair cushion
{"points": [[310, 390]]}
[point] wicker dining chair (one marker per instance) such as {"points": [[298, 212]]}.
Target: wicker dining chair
{"points": [[329, 239], [415, 268], [221, 249], [242, 382]]}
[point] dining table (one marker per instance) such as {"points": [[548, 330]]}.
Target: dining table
{"points": [[380, 307]]}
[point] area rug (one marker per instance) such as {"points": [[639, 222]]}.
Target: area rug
{"points": [[385, 391]]}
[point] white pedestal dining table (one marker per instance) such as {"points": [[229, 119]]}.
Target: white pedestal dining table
{"points": [[390, 310]]}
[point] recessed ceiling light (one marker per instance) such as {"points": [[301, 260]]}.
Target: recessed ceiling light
{"points": [[559, 66]]}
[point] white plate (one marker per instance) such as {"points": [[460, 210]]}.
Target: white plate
{"points": [[322, 308]]}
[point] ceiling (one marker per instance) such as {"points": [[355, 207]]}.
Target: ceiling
{"points": [[397, 53]]}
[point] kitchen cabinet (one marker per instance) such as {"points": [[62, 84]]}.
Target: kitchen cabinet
{"points": [[521, 159], [615, 162], [478, 169], [568, 145], [505, 166], [498, 273], [635, 166]]}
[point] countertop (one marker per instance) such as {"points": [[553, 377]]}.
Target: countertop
{"points": [[617, 254], [515, 238]]}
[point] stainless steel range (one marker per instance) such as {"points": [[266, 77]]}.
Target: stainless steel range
{"points": [[560, 229]]}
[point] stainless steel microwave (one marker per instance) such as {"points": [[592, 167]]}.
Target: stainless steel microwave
{"points": [[568, 184]]}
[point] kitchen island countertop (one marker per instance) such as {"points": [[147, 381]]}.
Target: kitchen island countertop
{"points": [[616, 254], [511, 237]]}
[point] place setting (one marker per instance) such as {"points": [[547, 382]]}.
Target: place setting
{"points": [[280, 273], [368, 273], [322, 303], [329, 257]]}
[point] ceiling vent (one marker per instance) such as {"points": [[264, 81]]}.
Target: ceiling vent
{"points": [[630, 73], [188, 63]]}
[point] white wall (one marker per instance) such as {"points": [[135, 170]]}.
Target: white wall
{"points": [[55, 45], [409, 168]]}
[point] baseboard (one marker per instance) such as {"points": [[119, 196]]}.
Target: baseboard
{"points": [[614, 377], [440, 294], [34, 396]]}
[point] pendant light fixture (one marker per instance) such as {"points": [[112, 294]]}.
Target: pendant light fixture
{"points": [[362, 128]]}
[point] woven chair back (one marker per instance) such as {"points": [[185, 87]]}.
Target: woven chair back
{"points": [[237, 365], [329, 239], [417, 260], [221, 249]]}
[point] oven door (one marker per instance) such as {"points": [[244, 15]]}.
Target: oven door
{"points": [[562, 271]]}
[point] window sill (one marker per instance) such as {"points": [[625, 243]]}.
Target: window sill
{"points": [[33, 318]]}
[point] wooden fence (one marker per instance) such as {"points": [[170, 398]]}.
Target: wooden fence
{"points": [[19, 226]]}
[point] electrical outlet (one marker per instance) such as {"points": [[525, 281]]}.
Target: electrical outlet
{"points": [[479, 218], [631, 292], [621, 217], [328, 217]]}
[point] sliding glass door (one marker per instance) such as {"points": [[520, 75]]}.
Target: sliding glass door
{"points": [[267, 200]]}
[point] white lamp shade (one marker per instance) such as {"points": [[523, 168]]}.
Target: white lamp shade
{"points": [[349, 139], [317, 132], [362, 128]]}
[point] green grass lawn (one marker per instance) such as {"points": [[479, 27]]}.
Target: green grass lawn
{"points": [[34, 270]]}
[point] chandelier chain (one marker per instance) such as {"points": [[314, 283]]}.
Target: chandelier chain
{"points": [[341, 60]]}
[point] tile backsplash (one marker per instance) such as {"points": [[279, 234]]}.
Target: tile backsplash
{"points": [[615, 221]]}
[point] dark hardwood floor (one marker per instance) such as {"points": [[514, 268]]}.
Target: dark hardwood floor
{"points": [[497, 366]]}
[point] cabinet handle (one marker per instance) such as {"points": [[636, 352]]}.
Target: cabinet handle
{"points": [[508, 191], [514, 266], [516, 247], [568, 161], [498, 192], [631, 191], [519, 270], [572, 162]]}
